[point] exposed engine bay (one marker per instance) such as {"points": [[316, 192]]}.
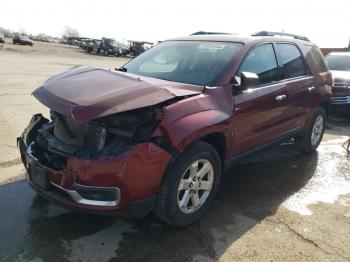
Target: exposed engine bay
{"points": [[112, 135]]}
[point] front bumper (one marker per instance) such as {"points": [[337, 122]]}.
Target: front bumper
{"points": [[129, 180], [340, 103]]}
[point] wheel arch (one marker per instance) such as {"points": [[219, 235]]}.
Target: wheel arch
{"points": [[218, 141], [211, 126], [326, 105]]}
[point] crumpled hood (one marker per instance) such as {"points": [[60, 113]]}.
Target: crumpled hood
{"points": [[86, 93]]}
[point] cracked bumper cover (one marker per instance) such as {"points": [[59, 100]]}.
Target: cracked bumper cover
{"points": [[135, 177]]}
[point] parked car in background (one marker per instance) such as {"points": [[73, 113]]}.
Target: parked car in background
{"points": [[22, 40], [339, 64], [138, 47], [124, 48], [87, 44], [157, 134], [107, 46], [2, 38]]}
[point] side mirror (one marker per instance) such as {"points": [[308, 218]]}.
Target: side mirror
{"points": [[248, 80]]}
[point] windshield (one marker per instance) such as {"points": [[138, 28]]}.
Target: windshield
{"points": [[111, 41], [338, 62], [192, 62]]}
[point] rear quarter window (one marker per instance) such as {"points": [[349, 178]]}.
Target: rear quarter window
{"points": [[315, 57], [292, 61]]}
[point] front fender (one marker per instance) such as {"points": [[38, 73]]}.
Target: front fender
{"points": [[192, 127]]}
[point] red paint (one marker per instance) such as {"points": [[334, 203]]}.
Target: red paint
{"points": [[247, 119], [137, 173], [86, 93]]}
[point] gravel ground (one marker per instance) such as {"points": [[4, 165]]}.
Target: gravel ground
{"points": [[279, 206]]}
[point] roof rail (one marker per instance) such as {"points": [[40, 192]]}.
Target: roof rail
{"points": [[268, 33], [209, 33]]}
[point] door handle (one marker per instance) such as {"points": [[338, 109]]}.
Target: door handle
{"points": [[311, 88], [281, 98]]}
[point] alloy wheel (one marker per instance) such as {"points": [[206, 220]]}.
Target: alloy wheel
{"points": [[317, 130], [195, 186]]}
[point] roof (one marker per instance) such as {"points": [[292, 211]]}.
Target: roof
{"points": [[235, 38], [209, 33]]}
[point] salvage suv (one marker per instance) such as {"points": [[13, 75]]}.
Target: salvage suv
{"points": [[158, 133], [339, 64]]}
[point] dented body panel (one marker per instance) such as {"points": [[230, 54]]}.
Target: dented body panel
{"points": [[137, 173], [141, 124], [88, 93]]}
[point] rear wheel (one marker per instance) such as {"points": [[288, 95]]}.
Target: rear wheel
{"points": [[312, 136], [189, 186]]}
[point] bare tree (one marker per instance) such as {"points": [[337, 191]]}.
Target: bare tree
{"points": [[70, 32]]}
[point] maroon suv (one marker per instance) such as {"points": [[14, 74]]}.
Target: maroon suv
{"points": [[157, 134]]}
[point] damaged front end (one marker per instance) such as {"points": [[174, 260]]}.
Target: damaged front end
{"points": [[102, 165], [108, 136]]}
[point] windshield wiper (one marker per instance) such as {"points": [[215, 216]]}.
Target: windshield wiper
{"points": [[122, 69]]}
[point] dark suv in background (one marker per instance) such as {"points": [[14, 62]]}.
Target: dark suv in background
{"points": [[157, 134], [107, 46], [22, 40], [339, 64]]}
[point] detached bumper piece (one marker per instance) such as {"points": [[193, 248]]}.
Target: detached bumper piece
{"points": [[119, 185]]}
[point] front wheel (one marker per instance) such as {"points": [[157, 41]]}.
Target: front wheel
{"points": [[312, 136], [189, 185]]}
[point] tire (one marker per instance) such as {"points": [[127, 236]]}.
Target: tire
{"points": [[105, 52], [170, 195], [308, 143]]}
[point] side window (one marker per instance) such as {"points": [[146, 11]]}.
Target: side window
{"points": [[291, 59], [261, 60], [313, 54]]}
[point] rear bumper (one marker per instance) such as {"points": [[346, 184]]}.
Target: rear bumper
{"points": [[133, 178]]}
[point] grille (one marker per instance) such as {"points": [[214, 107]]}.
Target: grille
{"points": [[341, 85], [341, 100]]}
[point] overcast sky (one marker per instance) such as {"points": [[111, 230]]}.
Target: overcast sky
{"points": [[326, 23]]}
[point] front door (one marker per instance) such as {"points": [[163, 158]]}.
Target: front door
{"points": [[260, 114]]}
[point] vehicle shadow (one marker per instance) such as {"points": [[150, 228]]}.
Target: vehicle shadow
{"points": [[338, 124], [249, 193]]}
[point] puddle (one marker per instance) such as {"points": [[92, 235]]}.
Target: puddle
{"points": [[101, 246], [330, 180]]}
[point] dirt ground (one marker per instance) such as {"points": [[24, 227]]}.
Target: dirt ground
{"points": [[279, 206]]}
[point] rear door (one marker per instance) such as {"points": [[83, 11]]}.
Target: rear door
{"points": [[260, 114], [299, 84]]}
